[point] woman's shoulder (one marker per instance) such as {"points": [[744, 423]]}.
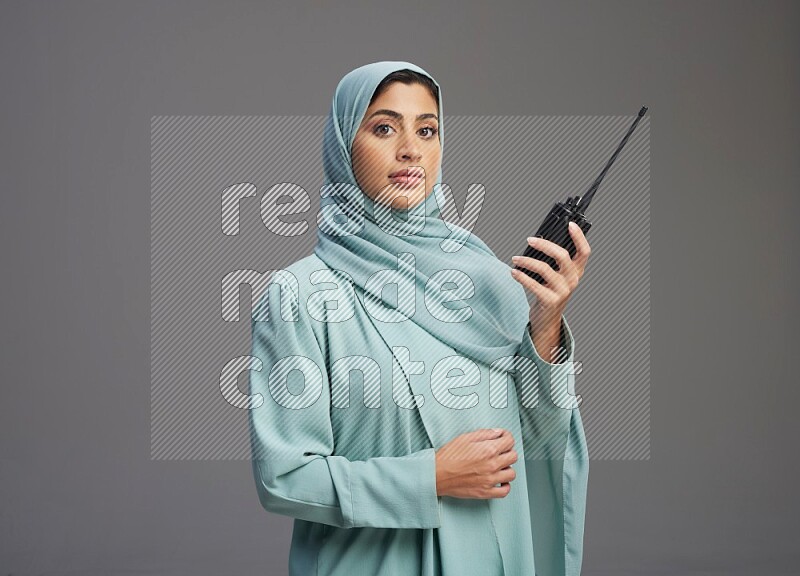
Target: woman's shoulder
{"points": [[289, 287], [292, 308], [306, 265], [300, 273]]}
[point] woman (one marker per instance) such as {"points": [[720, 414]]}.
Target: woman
{"points": [[363, 436]]}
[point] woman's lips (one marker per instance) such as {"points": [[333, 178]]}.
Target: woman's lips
{"points": [[408, 177], [406, 181]]}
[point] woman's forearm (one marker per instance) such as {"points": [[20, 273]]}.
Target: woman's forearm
{"points": [[546, 335]]}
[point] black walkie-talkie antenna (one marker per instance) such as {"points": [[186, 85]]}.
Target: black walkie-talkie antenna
{"points": [[555, 226], [584, 201]]}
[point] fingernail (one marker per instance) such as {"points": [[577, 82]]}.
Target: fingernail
{"points": [[531, 240], [572, 224], [515, 258]]}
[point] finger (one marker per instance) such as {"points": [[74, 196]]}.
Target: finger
{"points": [[559, 254], [545, 295], [503, 444], [506, 475], [542, 293], [467, 445], [484, 434], [551, 277], [581, 245], [506, 459], [500, 491]]}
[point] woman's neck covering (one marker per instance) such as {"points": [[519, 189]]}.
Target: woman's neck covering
{"points": [[483, 319]]}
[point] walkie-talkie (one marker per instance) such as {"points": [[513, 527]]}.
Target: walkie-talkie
{"points": [[555, 226]]}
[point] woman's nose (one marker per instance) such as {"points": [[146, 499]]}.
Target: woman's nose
{"points": [[409, 149]]}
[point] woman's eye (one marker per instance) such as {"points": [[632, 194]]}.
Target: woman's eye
{"points": [[433, 131], [377, 129]]}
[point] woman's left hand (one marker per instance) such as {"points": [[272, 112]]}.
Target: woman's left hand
{"points": [[558, 287]]}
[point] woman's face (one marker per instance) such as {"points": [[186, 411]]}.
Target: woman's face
{"points": [[400, 130]]}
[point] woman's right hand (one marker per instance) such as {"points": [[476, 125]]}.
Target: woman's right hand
{"points": [[473, 463]]}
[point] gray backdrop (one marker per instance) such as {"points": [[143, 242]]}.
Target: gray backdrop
{"points": [[81, 82]]}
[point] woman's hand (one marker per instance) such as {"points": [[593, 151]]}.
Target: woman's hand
{"points": [[553, 295], [472, 464]]}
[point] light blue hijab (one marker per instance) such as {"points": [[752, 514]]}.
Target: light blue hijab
{"points": [[360, 237]]}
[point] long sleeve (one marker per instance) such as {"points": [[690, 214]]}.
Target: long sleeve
{"points": [[296, 471], [557, 463]]}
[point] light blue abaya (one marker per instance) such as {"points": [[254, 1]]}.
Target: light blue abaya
{"points": [[358, 392]]}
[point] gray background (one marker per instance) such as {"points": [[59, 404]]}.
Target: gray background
{"points": [[81, 80]]}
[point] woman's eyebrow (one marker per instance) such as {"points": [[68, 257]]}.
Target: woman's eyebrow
{"points": [[399, 116]]}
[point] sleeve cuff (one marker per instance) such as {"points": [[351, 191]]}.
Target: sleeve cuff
{"points": [[560, 374], [396, 492], [567, 342]]}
